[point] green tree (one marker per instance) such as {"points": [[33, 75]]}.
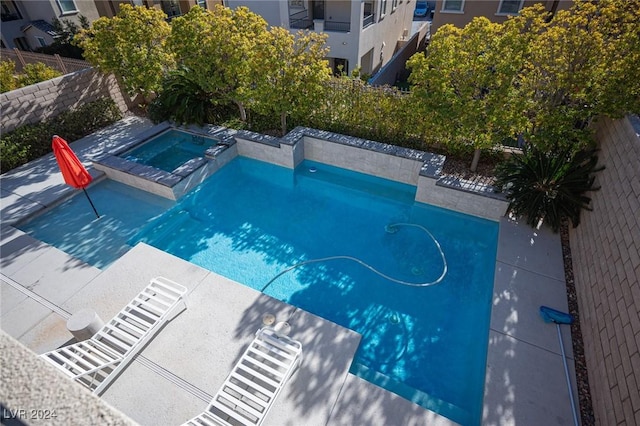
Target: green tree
{"points": [[465, 85], [293, 73], [130, 45], [558, 81], [581, 63], [619, 77], [218, 48]]}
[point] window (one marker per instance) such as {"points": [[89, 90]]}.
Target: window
{"points": [[509, 7], [41, 41], [452, 5], [21, 43], [67, 6], [394, 5], [171, 8], [367, 14], [202, 3], [383, 8], [340, 66], [10, 11]]}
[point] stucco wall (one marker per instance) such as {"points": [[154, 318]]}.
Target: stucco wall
{"points": [[606, 267], [394, 69], [486, 8], [38, 102], [35, 393]]}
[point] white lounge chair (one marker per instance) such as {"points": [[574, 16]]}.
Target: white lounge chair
{"points": [[97, 361], [248, 393]]}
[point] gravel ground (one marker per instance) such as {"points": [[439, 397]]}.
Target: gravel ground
{"points": [[582, 378], [460, 169]]}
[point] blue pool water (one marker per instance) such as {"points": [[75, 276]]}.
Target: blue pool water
{"points": [[170, 150], [73, 227], [251, 221]]}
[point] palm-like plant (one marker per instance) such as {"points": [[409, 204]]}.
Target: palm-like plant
{"points": [[549, 186], [182, 100]]}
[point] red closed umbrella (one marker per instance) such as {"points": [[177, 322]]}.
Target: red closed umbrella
{"points": [[74, 173]]}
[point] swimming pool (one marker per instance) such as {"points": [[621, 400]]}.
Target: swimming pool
{"points": [[169, 150], [72, 226], [251, 221]]}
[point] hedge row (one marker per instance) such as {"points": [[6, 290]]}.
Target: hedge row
{"points": [[32, 141]]}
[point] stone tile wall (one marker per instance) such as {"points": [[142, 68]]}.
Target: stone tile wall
{"points": [[413, 167], [606, 262], [41, 101], [369, 161]]}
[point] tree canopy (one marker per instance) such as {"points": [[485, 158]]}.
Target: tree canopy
{"points": [[465, 85], [130, 45], [540, 77], [293, 72], [536, 77], [66, 31], [218, 47], [579, 66]]}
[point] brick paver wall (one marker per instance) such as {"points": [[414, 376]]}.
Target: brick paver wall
{"points": [[606, 262], [32, 104]]}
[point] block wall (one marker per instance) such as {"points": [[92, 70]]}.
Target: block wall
{"points": [[45, 100], [605, 249]]}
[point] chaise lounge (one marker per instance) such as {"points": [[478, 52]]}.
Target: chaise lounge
{"points": [[95, 362], [255, 381]]}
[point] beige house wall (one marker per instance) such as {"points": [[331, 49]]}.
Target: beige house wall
{"points": [[49, 9], [486, 8], [45, 100], [606, 263]]}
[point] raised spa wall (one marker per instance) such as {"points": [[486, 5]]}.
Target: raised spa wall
{"points": [[178, 182], [410, 166]]}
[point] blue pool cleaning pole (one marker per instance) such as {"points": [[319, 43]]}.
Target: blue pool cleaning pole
{"points": [[557, 317]]}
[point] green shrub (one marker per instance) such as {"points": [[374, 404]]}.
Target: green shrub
{"points": [[32, 141], [181, 100], [31, 74], [8, 81], [35, 73], [549, 186]]}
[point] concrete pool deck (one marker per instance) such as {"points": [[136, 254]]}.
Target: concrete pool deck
{"points": [[175, 375]]}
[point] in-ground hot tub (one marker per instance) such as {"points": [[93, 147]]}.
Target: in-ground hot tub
{"points": [[169, 161], [170, 149]]}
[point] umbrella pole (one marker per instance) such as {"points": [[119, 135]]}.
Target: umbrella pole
{"points": [[91, 202]]}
